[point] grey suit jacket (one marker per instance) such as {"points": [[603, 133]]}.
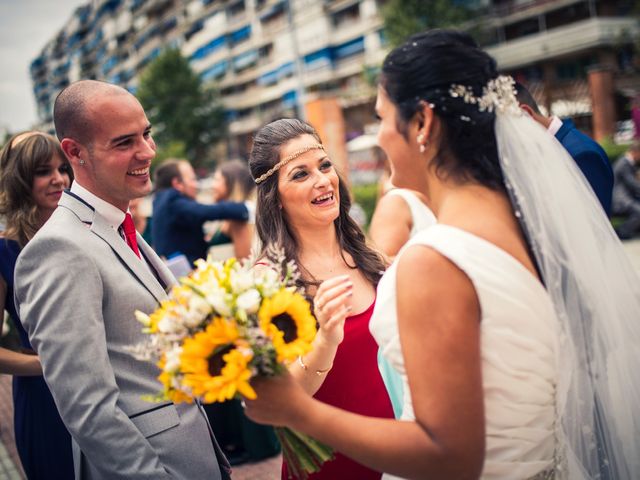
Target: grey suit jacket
{"points": [[77, 285]]}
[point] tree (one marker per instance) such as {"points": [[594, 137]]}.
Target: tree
{"points": [[181, 109], [403, 18]]}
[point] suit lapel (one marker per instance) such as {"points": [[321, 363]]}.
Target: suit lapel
{"points": [[98, 225], [165, 276]]}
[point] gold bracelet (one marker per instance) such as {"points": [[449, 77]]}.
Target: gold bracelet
{"points": [[318, 372]]}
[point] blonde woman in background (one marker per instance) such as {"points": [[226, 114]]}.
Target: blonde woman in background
{"points": [[33, 174]]}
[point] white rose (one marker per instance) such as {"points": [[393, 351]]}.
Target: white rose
{"points": [[269, 281], [249, 301], [241, 281], [172, 360], [217, 299], [169, 324], [198, 310]]}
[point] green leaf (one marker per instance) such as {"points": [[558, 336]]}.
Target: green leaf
{"points": [[403, 18], [187, 116]]}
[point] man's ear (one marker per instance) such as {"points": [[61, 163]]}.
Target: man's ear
{"points": [[176, 182], [528, 110], [73, 151]]}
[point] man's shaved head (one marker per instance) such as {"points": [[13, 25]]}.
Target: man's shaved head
{"points": [[71, 113]]}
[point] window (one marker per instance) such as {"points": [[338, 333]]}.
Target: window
{"points": [[348, 15], [273, 13], [195, 28], [240, 35], [235, 9], [521, 29], [349, 48], [245, 60], [269, 78], [318, 59], [215, 72], [289, 99], [207, 49]]}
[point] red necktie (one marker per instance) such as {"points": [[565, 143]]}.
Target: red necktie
{"points": [[130, 233]]}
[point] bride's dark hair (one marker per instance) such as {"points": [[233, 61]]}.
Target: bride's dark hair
{"points": [[423, 69], [271, 224]]}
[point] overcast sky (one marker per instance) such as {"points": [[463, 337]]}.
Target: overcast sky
{"points": [[25, 28]]}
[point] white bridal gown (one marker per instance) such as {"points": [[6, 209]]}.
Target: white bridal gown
{"points": [[518, 350]]}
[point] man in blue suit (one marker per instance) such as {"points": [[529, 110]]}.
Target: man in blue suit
{"points": [[588, 155], [178, 217]]}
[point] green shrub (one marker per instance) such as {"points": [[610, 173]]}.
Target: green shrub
{"points": [[366, 196], [612, 149]]}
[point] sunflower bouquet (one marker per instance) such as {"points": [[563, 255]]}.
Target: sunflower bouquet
{"points": [[226, 323]]}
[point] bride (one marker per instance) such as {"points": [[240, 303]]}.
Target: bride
{"points": [[514, 320]]}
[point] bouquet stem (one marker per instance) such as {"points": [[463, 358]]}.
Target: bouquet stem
{"points": [[302, 454]]}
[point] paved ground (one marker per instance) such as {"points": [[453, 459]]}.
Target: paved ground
{"points": [[10, 467], [266, 470]]}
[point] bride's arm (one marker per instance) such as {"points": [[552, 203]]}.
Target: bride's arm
{"points": [[440, 334]]}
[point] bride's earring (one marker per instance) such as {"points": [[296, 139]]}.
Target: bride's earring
{"points": [[421, 142]]}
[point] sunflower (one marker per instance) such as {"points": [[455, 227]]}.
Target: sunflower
{"points": [[286, 319], [215, 363]]}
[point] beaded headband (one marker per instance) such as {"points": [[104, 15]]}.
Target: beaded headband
{"points": [[286, 160]]}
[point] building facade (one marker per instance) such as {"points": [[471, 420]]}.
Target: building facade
{"points": [[576, 57], [267, 57], [314, 58]]}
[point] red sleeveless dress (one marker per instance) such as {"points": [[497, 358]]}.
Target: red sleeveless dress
{"points": [[353, 384]]}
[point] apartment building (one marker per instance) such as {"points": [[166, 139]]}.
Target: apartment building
{"points": [[274, 58], [576, 57], [267, 57]]}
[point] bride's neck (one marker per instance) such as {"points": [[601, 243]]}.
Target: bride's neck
{"points": [[450, 199]]}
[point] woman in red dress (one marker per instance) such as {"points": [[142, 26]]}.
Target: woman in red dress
{"points": [[303, 207]]}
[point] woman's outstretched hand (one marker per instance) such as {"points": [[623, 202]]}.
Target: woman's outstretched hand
{"points": [[332, 304]]}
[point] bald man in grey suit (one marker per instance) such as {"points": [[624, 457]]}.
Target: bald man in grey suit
{"points": [[78, 283]]}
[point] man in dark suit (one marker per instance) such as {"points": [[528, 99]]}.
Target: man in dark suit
{"points": [[626, 191], [588, 155], [178, 217]]}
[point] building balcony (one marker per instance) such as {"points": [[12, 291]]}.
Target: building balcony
{"points": [[350, 30], [154, 8], [258, 95], [561, 41], [246, 124], [519, 8], [333, 6], [348, 66]]}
